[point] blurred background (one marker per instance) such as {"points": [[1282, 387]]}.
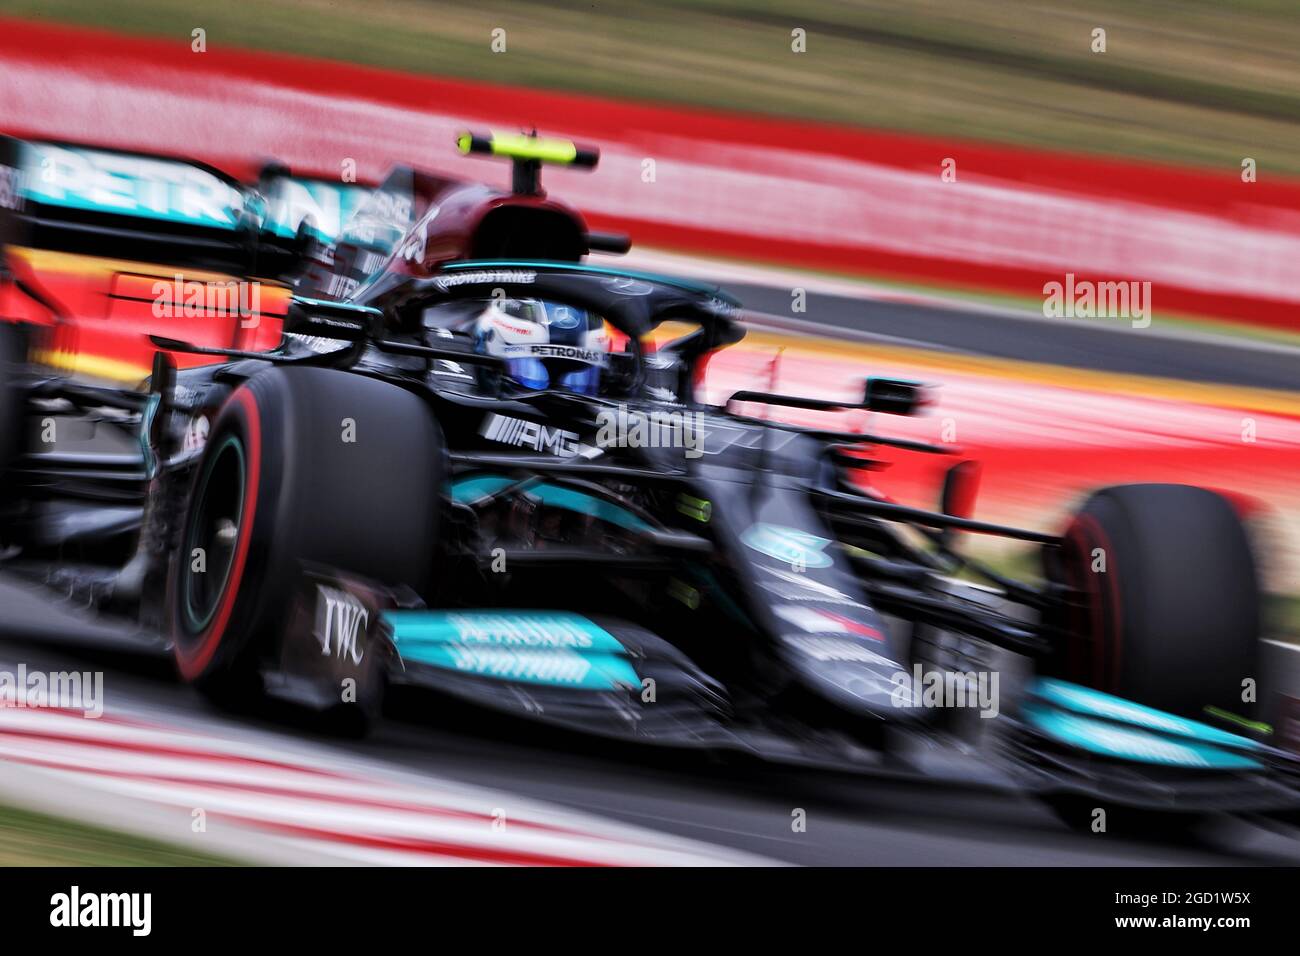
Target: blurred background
{"points": [[1184, 82], [889, 187], [904, 180]]}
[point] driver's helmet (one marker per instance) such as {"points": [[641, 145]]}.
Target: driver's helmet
{"points": [[546, 345]]}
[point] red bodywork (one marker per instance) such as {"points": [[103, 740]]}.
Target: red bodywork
{"points": [[105, 309]]}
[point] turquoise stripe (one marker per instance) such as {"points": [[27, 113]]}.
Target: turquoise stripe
{"points": [[554, 648], [504, 628], [465, 490], [1131, 743], [108, 182], [1094, 703]]}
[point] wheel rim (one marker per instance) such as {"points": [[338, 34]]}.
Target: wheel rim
{"points": [[215, 528]]}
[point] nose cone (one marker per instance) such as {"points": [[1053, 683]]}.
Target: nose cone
{"points": [[845, 660]]}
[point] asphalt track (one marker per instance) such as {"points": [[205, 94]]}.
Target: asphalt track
{"points": [[740, 806], [743, 806], [1110, 345]]}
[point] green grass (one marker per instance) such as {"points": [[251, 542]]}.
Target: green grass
{"points": [[1286, 613], [1191, 81], [34, 839]]}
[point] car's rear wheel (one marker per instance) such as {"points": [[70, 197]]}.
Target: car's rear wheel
{"points": [[304, 467], [1167, 606], [13, 355]]}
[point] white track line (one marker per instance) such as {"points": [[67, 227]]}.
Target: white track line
{"points": [[265, 801]]}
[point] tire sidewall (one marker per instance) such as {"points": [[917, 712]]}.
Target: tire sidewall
{"points": [[1173, 618], [369, 507], [219, 646]]}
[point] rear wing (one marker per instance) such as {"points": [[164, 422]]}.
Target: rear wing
{"points": [[171, 211], [319, 206], [76, 198]]}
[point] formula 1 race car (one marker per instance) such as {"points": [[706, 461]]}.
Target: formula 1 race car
{"points": [[497, 481]]}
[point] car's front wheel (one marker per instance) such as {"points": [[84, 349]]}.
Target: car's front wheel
{"points": [[303, 467], [1166, 606]]}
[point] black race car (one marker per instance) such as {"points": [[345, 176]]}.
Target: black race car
{"points": [[497, 482], [381, 500]]}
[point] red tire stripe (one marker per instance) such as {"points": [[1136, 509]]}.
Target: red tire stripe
{"points": [[1105, 621], [193, 662]]}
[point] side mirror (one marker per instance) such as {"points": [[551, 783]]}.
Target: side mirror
{"points": [[961, 485], [332, 320], [895, 396]]}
